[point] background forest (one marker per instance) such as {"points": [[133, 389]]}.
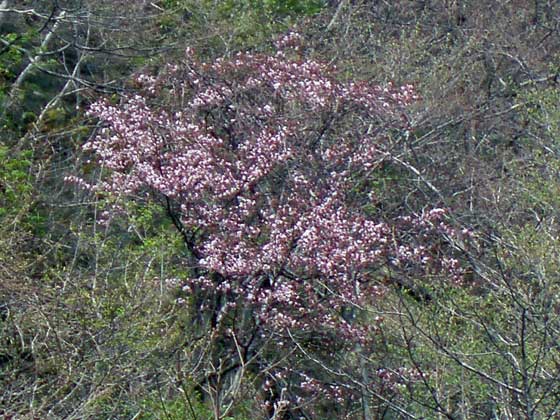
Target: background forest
{"points": [[116, 302]]}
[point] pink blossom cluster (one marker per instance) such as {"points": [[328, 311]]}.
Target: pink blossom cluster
{"points": [[316, 388], [263, 158], [290, 40], [398, 379]]}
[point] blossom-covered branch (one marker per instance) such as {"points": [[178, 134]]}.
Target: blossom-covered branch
{"points": [[269, 159]]}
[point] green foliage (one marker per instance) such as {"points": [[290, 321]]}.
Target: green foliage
{"points": [[12, 54], [180, 407], [234, 25], [274, 8], [536, 181], [15, 181]]}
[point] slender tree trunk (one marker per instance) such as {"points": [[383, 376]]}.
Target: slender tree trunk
{"points": [[3, 5], [34, 61], [334, 19]]}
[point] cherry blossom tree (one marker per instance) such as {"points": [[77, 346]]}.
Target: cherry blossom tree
{"points": [[266, 163]]}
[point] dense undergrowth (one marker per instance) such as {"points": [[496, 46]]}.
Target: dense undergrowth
{"points": [[100, 313]]}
